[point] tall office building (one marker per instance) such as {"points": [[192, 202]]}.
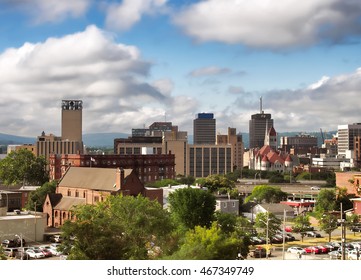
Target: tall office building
{"points": [[346, 134], [257, 128], [204, 129], [71, 120], [70, 141]]}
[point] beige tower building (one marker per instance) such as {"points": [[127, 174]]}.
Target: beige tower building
{"points": [[71, 120], [70, 141]]}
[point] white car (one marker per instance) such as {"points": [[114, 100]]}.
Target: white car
{"points": [[296, 250], [315, 188], [35, 254], [354, 255], [53, 250]]}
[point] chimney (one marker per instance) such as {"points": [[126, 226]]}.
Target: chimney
{"points": [[119, 178]]}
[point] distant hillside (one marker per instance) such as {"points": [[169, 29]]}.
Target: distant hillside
{"points": [[6, 139], [102, 139], [107, 139]]}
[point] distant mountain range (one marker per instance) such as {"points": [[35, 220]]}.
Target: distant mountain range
{"points": [[107, 139]]}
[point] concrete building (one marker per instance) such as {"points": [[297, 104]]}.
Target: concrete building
{"points": [[204, 129], [298, 142], [29, 226], [70, 141], [227, 205], [206, 160], [235, 140], [346, 135], [159, 138], [258, 125]]}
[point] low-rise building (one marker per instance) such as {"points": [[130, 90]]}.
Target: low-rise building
{"points": [[81, 185]]}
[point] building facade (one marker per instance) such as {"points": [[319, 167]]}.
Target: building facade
{"points": [[346, 135], [148, 167], [80, 186], [204, 160], [298, 142], [258, 125], [204, 129], [70, 141]]}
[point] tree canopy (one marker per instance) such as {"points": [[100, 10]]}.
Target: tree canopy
{"points": [[203, 243], [268, 221], [267, 194], [301, 225], [218, 183], [192, 207], [23, 167], [37, 197], [328, 223], [121, 227], [326, 201]]}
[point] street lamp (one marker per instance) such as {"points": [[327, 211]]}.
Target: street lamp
{"points": [[267, 232]]}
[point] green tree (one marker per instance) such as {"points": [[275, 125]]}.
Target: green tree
{"points": [[268, 221], [342, 197], [267, 194], [352, 221], [162, 183], [22, 167], [301, 225], [326, 201], [203, 243], [121, 227], [192, 207], [328, 223], [218, 183], [186, 180], [38, 196], [226, 222]]}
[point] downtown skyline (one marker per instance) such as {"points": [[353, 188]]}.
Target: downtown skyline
{"points": [[135, 62]]}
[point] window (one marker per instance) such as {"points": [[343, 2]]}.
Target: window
{"points": [[96, 198], [224, 204], [76, 193], [233, 204], [69, 192]]}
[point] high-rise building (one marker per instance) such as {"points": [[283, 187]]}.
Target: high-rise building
{"points": [[70, 141], [257, 128], [346, 134], [204, 129], [235, 140], [71, 120]]}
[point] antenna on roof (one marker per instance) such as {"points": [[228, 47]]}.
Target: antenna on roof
{"points": [[260, 105]]}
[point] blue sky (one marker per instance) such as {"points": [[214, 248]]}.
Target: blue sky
{"points": [[134, 62]]}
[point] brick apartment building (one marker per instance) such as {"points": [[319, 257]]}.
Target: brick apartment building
{"points": [[149, 168]]}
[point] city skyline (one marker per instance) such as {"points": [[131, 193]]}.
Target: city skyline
{"points": [[169, 60]]}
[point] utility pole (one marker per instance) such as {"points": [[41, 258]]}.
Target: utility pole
{"points": [[283, 234], [343, 235]]}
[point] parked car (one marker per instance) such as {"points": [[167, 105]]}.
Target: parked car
{"points": [[315, 188], [353, 255], [335, 255], [35, 254], [296, 250], [10, 252], [57, 238], [313, 234], [47, 253], [323, 249], [312, 250], [52, 249], [259, 252]]}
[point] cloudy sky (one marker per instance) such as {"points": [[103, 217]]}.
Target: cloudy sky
{"points": [[133, 62]]}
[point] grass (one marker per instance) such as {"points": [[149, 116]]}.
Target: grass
{"points": [[307, 241]]}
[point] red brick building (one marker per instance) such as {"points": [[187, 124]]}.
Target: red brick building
{"points": [[82, 185], [149, 168]]}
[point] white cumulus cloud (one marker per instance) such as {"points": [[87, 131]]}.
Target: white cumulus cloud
{"points": [[124, 15], [271, 24], [111, 79]]}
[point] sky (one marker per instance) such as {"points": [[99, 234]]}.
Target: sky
{"points": [[134, 62]]}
